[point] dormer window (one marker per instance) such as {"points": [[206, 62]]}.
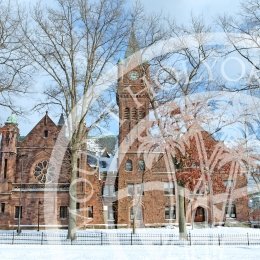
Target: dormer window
{"points": [[46, 133]]}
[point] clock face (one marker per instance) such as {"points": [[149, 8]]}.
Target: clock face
{"points": [[133, 75]]}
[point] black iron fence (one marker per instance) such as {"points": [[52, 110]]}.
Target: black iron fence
{"points": [[103, 238]]}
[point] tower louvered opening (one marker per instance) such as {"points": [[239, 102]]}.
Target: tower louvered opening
{"points": [[127, 113]]}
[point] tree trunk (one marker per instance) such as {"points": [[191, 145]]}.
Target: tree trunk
{"points": [[211, 206], [72, 225], [133, 225], [182, 221]]}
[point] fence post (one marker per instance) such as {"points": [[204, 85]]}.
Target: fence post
{"points": [[13, 238], [42, 239], [161, 238], [218, 239], [131, 238], [101, 238], [190, 238], [247, 239]]}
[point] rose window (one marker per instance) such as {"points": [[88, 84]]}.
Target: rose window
{"points": [[44, 172]]}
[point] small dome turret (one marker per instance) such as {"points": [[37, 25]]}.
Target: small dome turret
{"points": [[12, 119]]}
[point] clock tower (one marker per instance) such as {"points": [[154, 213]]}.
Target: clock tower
{"points": [[132, 94], [133, 102]]}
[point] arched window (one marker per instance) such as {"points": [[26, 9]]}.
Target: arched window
{"points": [[141, 165], [46, 133], [141, 113], [134, 114], [127, 113], [129, 165]]}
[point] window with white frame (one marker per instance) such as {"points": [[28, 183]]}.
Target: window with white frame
{"points": [[110, 213], [109, 190], [141, 165], [136, 212], [228, 183], [135, 189], [129, 165], [63, 212], [18, 211], [169, 188], [170, 212], [90, 212], [139, 189], [130, 189], [231, 211]]}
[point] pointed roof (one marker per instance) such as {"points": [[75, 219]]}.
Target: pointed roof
{"points": [[61, 120], [46, 118], [105, 153], [133, 45], [45, 121]]}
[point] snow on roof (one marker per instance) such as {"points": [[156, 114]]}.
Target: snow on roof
{"points": [[103, 153], [101, 143]]}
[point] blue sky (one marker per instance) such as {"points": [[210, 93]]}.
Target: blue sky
{"points": [[180, 10]]}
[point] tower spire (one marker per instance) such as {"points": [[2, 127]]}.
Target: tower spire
{"points": [[133, 45], [61, 120]]}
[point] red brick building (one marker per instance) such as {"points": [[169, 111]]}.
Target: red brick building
{"points": [[24, 164], [142, 188], [148, 179]]}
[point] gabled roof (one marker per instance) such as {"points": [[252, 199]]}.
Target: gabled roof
{"points": [[44, 122]]}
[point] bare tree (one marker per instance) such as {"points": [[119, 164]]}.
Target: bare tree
{"points": [[13, 63], [74, 43], [179, 74], [243, 34], [185, 70]]}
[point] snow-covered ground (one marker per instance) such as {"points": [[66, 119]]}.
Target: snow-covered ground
{"points": [[135, 252], [27, 252]]}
